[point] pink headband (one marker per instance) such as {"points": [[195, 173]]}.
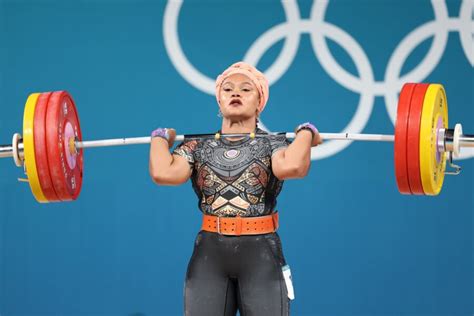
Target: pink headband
{"points": [[254, 75]]}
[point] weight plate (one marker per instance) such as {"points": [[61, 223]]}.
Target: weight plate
{"points": [[413, 139], [434, 117], [400, 146], [41, 154], [29, 148], [62, 128]]}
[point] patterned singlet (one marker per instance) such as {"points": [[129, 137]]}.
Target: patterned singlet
{"points": [[234, 177]]}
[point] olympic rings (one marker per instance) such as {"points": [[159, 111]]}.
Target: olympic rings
{"points": [[319, 29]]}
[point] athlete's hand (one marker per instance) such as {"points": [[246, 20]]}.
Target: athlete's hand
{"points": [[172, 134], [317, 139], [168, 134]]}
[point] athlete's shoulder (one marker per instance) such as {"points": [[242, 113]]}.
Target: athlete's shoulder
{"points": [[261, 131]]}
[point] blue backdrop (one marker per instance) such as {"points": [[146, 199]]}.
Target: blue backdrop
{"points": [[355, 245]]}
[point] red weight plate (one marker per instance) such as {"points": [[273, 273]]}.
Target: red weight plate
{"points": [[62, 126], [413, 139], [41, 155], [400, 147]]}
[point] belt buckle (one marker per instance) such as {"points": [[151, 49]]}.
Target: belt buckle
{"points": [[238, 225]]}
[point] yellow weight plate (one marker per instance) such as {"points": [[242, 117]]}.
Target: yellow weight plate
{"points": [[29, 148], [433, 117]]}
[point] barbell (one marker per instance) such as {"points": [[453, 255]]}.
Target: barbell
{"points": [[51, 148]]}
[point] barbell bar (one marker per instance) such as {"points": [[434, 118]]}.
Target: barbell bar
{"points": [[51, 148]]}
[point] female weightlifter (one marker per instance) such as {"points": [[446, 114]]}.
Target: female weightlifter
{"points": [[237, 262]]}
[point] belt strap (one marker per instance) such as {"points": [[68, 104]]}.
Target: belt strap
{"points": [[237, 226]]}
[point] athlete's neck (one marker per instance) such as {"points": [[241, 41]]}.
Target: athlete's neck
{"points": [[239, 127]]}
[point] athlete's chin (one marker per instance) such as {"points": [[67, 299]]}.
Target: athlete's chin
{"points": [[236, 108], [237, 117], [237, 111]]}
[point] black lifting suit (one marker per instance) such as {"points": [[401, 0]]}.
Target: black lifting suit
{"points": [[226, 273]]}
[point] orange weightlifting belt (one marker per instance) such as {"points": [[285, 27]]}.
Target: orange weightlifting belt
{"points": [[237, 226]]}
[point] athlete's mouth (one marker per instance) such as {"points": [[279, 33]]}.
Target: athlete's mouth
{"points": [[235, 102]]}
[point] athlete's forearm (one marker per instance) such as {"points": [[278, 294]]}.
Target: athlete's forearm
{"points": [[160, 158], [298, 153]]}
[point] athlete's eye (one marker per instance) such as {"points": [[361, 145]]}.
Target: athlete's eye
{"points": [[227, 89], [246, 89]]}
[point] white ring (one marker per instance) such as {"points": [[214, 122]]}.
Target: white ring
{"points": [[466, 29], [16, 157], [457, 134]]}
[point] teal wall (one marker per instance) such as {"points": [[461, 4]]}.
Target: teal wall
{"points": [[355, 245]]}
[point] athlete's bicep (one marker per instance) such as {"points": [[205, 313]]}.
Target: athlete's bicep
{"points": [[280, 168], [182, 165], [180, 170]]}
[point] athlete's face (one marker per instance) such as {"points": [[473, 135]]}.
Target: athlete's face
{"points": [[239, 98]]}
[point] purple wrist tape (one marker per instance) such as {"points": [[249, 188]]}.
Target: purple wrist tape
{"points": [[160, 132]]}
